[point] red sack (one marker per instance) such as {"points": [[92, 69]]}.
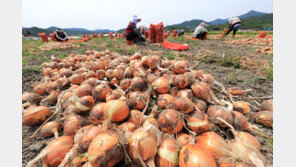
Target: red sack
{"points": [[175, 33], [51, 36], [83, 36], [123, 34], [262, 34], [111, 35], [174, 46], [152, 33], [44, 37], [95, 35], [168, 33], [87, 35], [156, 33], [116, 35], [101, 35]]}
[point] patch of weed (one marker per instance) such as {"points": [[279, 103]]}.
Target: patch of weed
{"points": [[170, 55]]}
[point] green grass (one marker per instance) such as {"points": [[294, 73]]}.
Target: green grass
{"points": [[169, 55], [30, 69], [131, 51], [230, 61]]}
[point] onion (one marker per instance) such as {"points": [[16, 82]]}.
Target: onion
{"points": [[72, 124], [154, 62], [236, 91], [127, 127], [70, 110], [36, 115], [264, 118], [128, 72], [179, 67], [241, 107], [88, 136], [118, 73], [109, 74], [31, 97], [50, 86], [52, 98], [125, 83], [83, 90], [181, 81], [100, 92], [232, 164], [165, 101], [39, 89], [51, 128], [204, 93], [136, 100], [100, 74], [183, 104], [57, 150], [168, 153], [142, 146], [135, 117], [97, 66], [185, 139], [136, 56], [77, 79], [249, 140], [63, 82], [216, 111], [96, 115], [105, 150], [161, 85], [150, 78], [240, 122], [84, 104], [195, 155], [138, 84], [198, 73], [201, 105], [114, 82], [91, 81], [140, 72], [66, 99], [198, 122], [150, 122], [170, 121], [185, 93], [80, 133], [267, 105], [166, 63], [116, 110], [65, 72], [214, 144]]}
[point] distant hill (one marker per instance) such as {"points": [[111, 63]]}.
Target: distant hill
{"points": [[69, 31], [251, 13], [218, 21], [256, 22], [186, 25]]}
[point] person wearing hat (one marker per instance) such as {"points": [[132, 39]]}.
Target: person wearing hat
{"points": [[60, 35], [200, 32], [234, 24], [134, 35], [181, 33]]}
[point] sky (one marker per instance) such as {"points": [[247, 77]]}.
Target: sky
{"points": [[115, 14]]}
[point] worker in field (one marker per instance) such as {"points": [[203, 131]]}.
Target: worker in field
{"points": [[60, 35], [181, 33], [134, 35], [143, 29], [200, 32], [234, 24], [28, 32]]}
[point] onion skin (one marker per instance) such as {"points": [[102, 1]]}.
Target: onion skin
{"points": [[198, 122], [84, 104], [216, 111], [249, 140], [185, 139], [235, 91], [154, 62], [125, 83], [267, 106], [170, 121], [116, 110], [144, 142], [214, 144], [165, 101], [185, 93], [168, 153], [105, 150], [36, 115], [50, 128], [76, 79], [241, 107], [135, 117], [87, 138], [202, 92], [150, 121], [136, 100], [39, 89], [72, 124], [80, 133], [138, 84], [100, 92], [52, 98], [57, 150], [183, 104], [96, 115], [264, 118], [232, 164], [195, 155], [83, 90], [161, 85], [179, 67]]}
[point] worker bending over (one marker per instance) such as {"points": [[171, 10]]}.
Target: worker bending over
{"points": [[234, 24], [60, 35], [200, 32], [134, 35]]}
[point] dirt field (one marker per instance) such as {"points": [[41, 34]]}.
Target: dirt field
{"points": [[231, 64]]}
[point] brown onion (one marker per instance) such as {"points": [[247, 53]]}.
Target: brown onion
{"points": [[138, 84], [170, 121], [241, 107], [183, 104], [51, 128], [100, 92], [264, 118], [267, 105], [165, 101], [168, 153], [84, 104], [96, 115], [116, 110], [72, 124], [161, 85], [36, 115]]}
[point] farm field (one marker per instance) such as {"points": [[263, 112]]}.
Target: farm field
{"points": [[244, 61]]}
